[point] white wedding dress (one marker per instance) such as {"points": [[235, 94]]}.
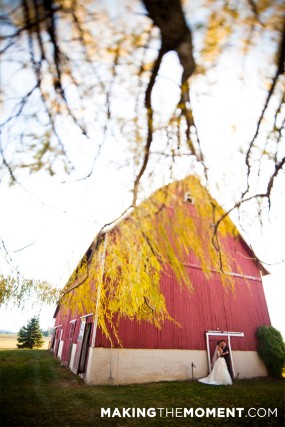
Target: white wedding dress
{"points": [[219, 374]]}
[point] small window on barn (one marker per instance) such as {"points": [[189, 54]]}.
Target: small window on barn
{"points": [[188, 198]]}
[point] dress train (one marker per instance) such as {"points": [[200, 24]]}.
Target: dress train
{"points": [[219, 374]]}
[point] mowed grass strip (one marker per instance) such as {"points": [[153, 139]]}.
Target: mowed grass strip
{"points": [[37, 391]]}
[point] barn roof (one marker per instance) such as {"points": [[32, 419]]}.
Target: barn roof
{"points": [[191, 192], [171, 232]]}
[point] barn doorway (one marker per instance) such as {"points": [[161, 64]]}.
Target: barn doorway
{"points": [[212, 337], [56, 339], [82, 345], [70, 339], [84, 348]]}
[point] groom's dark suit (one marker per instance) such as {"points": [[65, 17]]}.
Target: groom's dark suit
{"points": [[228, 360]]}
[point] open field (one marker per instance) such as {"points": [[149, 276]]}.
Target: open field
{"points": [[10, 341], [37, 391]]}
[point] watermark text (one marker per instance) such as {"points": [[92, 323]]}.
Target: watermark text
{"points": [[188, 412]]}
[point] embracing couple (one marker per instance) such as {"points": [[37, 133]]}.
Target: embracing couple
{"points": [[221, 373]]}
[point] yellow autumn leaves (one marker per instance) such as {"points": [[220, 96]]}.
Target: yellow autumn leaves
{"points": [[124, 273]]}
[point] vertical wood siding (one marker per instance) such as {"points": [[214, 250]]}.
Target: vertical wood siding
{"points": [[209, 307]]}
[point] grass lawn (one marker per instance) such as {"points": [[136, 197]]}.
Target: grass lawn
{"points": [[37, 391]]}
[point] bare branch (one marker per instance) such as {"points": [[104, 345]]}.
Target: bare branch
{"points": [[265, 195], [278, 73], [21, 106], [176, 36], [24, 247], [149, 109], [254, 8]]}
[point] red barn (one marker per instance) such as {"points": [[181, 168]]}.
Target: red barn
{"points": [[225, 297]]}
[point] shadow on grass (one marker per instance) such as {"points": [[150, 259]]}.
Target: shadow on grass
{"points": [[37, 391]]}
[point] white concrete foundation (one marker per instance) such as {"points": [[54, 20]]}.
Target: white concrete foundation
{"points": [[248, 365], [129, 366]]}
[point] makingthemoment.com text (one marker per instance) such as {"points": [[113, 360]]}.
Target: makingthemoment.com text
{"points": [[188, 412]]}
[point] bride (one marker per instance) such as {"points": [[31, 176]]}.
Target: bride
{"points": [[219, 374]]}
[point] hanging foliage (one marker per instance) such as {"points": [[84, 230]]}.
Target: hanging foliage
{"points": [[123, 276], [17, 290]]}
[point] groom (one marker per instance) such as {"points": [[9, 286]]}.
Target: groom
{"points": [[226, 355]]}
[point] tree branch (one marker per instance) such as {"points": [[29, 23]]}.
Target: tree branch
{"points": [[278, 73], [168, 16]]}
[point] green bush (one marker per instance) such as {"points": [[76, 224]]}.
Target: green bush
{"points": [[271, 349]]}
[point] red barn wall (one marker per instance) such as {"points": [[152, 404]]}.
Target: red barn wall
{"points": [[209, 307]]}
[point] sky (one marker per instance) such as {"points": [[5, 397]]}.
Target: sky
{"points": [[48, 223], [56, 233], [55, 224]]}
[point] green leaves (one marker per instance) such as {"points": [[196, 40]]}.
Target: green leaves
{"points": [[271, 349], [30, 336]]}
